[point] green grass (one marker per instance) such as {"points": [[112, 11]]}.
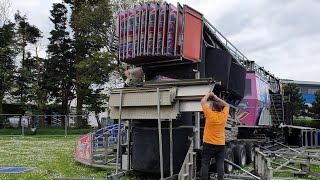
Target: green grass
{"points": [[45, 131], [49, 157]]}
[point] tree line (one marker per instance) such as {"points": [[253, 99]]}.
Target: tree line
{"points": [[79, 61]]}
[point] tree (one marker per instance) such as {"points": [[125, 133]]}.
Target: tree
{"points": [[90, 20], [60, 65], [7, 67], [5, 8], [315, 109], [26, 34], [292, 94]]}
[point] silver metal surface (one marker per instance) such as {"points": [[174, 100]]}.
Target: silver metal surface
{"points": [[171, 149], [191, 91], [142, 97], [146, 112], [265, 118], [119, 128], [191, 106], [197, 131], [124, 162], [160, 135]]}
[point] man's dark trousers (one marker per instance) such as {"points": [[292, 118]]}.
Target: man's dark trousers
{"points": [[212, 151]]}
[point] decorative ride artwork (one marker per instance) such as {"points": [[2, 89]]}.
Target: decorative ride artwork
{"points": [[83, 149]]}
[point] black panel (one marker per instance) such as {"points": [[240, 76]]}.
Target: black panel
{"points": [[237, 79], [178, 71], [218, 65], [145, 152]]}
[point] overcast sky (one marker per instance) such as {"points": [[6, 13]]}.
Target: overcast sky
{"points": [[282, 36]]}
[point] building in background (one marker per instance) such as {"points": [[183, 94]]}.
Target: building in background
{"points": [[307, 89]]}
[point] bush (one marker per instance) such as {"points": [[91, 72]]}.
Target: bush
{"points": [[307, 123]]}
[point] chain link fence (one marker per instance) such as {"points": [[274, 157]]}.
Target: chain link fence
{"points": [[21, 125]]}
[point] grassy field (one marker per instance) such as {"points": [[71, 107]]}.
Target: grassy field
{"points": [[49, 157]]}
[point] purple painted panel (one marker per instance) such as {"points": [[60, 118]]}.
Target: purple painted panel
{"points": [[171, 30], [152, 26], [143, 30], [125, 39], [161, 28], [247, 112], [130, 24], [122, 35], [137, 30], [254, 101]]}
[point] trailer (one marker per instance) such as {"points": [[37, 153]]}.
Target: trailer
{"points": [[184, 57]]}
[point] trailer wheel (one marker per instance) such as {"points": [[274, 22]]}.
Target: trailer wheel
{"points": [[250, 152], [229, 156], [240, 155]]}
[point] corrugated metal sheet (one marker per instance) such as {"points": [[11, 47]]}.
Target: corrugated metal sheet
{"points": [[265, 118]]}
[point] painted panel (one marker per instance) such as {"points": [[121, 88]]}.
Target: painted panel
{"points": [[161, 28], [125, 39], [130, 25], [137, 27], [192, 35], [83, 149], [152, 26], [172, 20], [122, 34], [179, 31], [143, 34], [252, 104]]}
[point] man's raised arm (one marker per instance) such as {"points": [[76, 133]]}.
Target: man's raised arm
{"points": [[216, 98]]}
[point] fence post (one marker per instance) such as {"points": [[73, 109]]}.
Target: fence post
{"points": [[22, 126], [66, 125]]}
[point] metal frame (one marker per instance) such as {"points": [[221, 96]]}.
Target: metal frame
{"points": [[283, 157]]}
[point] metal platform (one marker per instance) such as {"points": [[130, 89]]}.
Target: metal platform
{"points": [[175, 97]]}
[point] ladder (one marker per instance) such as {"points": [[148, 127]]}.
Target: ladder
{"points": [[188, 168], [276, 110]]}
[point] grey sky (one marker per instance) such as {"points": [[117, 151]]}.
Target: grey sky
{"points": [[282, 36]]}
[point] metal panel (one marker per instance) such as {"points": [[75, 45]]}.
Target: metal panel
{"points": [[191, 106], [143, 98], [146, 112], [265, 118], [192, 35], [199, 90]]}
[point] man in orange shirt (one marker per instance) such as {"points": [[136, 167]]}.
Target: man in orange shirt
{"points": [[213, 136]]}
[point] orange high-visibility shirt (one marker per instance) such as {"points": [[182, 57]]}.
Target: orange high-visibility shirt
{"points": [[215, 125]]}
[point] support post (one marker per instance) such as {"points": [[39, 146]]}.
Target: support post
{"points": [[160, 134], [306, 138], [171, 150], [65, 125], [118, 137], [197, 131], [128, 146], [197, 120], [22, 126]]}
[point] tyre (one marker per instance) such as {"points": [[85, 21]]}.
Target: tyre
{"points": [[229, 156], [240, 155], [250, 152]]}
